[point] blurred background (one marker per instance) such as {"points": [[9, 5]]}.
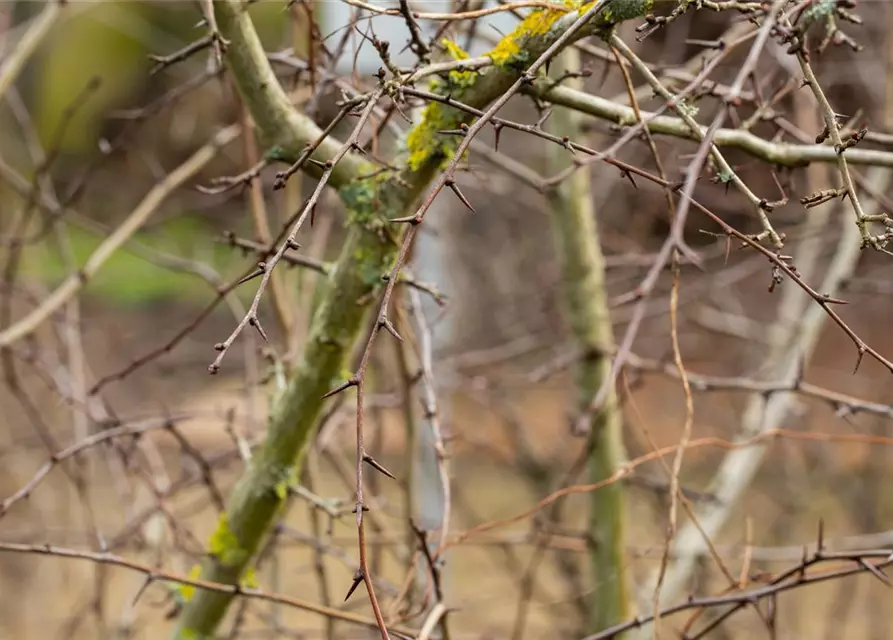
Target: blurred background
{"points": [[96, 122]]}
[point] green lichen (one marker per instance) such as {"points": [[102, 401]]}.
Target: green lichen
{"points": [[277, 154], [617, 12], [282, 478], [224, 544], [367, 200], [686, 108], [817, 12]]}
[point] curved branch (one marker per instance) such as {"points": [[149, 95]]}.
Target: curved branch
{"points": [[778, 153], [282, 129]]}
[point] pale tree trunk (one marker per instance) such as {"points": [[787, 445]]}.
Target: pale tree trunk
{"points": [[792, 340]]}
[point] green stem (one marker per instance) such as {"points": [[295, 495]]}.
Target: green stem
{"points": [[586, 300]]}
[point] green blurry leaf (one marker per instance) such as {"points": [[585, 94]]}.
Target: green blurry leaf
{"points": [[128, 279], [98, 42]]}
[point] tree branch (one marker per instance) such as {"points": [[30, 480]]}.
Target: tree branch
{"points": [[285, 132], [778, 153]]}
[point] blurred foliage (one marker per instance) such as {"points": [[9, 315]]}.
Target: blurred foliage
{"points": [[130, 279], [96, 43], [111, 41]]}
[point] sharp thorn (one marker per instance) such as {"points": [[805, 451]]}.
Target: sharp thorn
{"points": [[372, 462], [352, 382], [385, 322], [452, 185], [357, 579]]}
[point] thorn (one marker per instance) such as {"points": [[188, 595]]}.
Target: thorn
{"points": [[546, 114], [251, 276], [820, 544], [149, 579], [629, 176], [859, 358], [377, 466], [800, 372], [312, 215], [254, 322], [357, 579], [497, 130], [826, 298], [461, 131], [413, 220], [352, 382], [385, 322], [875, 571], [452, 185]]}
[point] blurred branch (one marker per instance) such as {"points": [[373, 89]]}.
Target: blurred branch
{"points": [[22, 51], [872, 561], [124, 232], [154, 574]]}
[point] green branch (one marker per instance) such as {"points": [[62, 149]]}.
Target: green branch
{"points": [[586, 302], [368, 252], [283, 131], [778, 153]]}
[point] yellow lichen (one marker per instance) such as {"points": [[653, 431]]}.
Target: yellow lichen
{"points": [[249, 580], [186, 590], [457, 79], [224, 545], [425, 140], [455, 51], [511, 47]]}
